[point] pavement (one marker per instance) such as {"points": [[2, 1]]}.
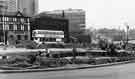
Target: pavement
{"points": [[124, 71], [67, 67]]}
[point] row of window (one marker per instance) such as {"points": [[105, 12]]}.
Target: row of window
{"points": [[46, 39], [19, 37], [47, 22], [13, 23], [14, 19], [14, 27], [48, 32], [22, 37]]}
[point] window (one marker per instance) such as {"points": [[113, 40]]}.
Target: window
{"points": [[7, 18], [1, 19], [28, 20], [18, 27], [6, 27], [26, 37], [11, 27], [1, 26], [22, 27], [25, 27], [18, 19], [41, 39], [52, 39], [25, 20], [11, 19], [22, 20], [19, 37]]}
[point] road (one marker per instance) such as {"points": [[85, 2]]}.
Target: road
{"points": [[126, 71]]}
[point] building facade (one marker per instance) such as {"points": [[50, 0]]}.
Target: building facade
{"points": [[76, 18], [8, 6], [50, 29], [3, 6], [27, 7], [14, 27], [11, 5]]}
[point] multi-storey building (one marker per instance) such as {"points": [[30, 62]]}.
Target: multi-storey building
{"points": [[14, 27], [8, 6], [3, 6], [76, 18], [50, 28], [11, 5], [27, 7]]}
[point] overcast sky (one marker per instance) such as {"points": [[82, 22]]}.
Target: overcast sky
{"points": [[99, 13]]}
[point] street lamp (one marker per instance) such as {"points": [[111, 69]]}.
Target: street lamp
{"points": [[127, 28], [127, 32]]}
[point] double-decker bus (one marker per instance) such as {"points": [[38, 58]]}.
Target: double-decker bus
{"points": [[46, 36]]}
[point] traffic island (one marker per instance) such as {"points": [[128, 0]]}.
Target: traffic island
{"points": [[70, 67]]}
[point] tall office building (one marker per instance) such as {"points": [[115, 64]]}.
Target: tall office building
{"points": [[11, 5], [8, 6], [27, 7], [3, 6]]}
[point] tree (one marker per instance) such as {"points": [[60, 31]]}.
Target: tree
{"points": [[102, 44]]}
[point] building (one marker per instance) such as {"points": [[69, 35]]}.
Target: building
{"points": [[8, 6], [3, 6], [27, 7], [14, 27], [11, 5], [50, 28], [76, 19]]}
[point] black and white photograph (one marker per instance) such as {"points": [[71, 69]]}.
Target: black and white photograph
{"points": [[67, 39]]}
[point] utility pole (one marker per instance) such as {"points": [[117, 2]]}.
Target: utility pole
{"points": [[127, 33]]}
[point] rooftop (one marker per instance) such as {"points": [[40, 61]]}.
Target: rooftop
{"points": [[43, 14], [12, 14], [70, 10]]}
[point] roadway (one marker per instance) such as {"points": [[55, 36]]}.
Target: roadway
{"points": [[124, 71]]}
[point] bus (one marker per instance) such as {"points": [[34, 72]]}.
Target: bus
{"points": [[41, 36]]}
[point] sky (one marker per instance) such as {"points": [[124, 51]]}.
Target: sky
{"points": [[99, 13]]}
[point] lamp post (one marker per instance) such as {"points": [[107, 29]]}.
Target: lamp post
{"points": [[127, 32], [127, 28]]}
